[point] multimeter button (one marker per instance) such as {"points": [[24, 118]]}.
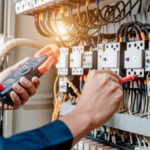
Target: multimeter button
{"points": [[26, 71]]}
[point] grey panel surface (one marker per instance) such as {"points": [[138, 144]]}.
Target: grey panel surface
{"points": [[66, 108], [123, 122], [128, 123]]}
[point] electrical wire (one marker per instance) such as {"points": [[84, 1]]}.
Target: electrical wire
{"points": [[18, 42], [72, 86]]}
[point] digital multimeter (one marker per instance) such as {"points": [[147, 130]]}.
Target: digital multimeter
{"points": [[35, 66]]}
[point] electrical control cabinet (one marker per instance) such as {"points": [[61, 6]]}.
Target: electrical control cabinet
{"points": [[112, 57], [107, 32], [63, 62]]}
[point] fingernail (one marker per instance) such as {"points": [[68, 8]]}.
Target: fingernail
{"points": [[35, 79], [13, 94], [17, 87], [25, 81]]}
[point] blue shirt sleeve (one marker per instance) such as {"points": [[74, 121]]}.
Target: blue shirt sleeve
{"points": [[54, 136]]}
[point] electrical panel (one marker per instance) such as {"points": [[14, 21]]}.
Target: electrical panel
{"points": [[115, 36]]}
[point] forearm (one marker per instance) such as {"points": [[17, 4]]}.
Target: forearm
{"points": [[79, 123], [55, 135]]}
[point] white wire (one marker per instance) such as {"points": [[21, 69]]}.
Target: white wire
{"points": [[129, 103], [18, 42]]}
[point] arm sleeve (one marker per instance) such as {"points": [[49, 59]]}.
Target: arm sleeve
{"points": [[54, 136]]}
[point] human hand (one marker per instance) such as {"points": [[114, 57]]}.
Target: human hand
{"points": [[101, 97], [21, 93]]}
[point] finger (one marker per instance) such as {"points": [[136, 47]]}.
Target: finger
{"points": [[21, 91], [36, 82], [112, 73], [11, 107], [16, 99], [28, 85], [6, 107], [118, 86], [114, 79]]}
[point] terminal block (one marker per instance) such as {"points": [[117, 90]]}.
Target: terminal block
{"points": [[62, 85], [63, 62], [111, 57], [134, 57]]}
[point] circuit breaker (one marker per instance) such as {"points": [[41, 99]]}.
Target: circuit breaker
{"points": [[134, 58], [100, 47], [90, 59], [112, 57], [63, 61], [76, 60]]}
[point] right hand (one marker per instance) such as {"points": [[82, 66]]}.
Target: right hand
{"points": [[101, 96]]}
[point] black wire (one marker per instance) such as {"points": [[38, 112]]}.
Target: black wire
{"points": [[148, 8], [140, 6]]}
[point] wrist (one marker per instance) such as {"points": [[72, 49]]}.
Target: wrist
{"points": [[79, 123]]}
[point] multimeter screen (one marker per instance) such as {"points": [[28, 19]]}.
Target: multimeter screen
{"points": [[10, 80]]}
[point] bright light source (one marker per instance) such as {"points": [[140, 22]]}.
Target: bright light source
{"points": [[61, 28]]}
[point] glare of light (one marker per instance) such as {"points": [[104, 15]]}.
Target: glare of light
{"points": [[61, 28]]}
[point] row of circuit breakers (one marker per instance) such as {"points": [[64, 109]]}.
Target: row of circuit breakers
{"points": [[25, 5], [132, 58]]}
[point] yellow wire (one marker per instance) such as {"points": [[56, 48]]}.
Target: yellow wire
{"points": [[55, 101], [73, 87]]}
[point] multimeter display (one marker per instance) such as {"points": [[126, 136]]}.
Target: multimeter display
{"points": [[10, 81]]}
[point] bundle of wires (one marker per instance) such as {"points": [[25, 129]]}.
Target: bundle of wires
{"points": [[136, 29], [81, 26], [60, 97]]}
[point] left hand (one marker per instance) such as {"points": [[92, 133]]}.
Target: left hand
{"points": [[21, 93]]}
